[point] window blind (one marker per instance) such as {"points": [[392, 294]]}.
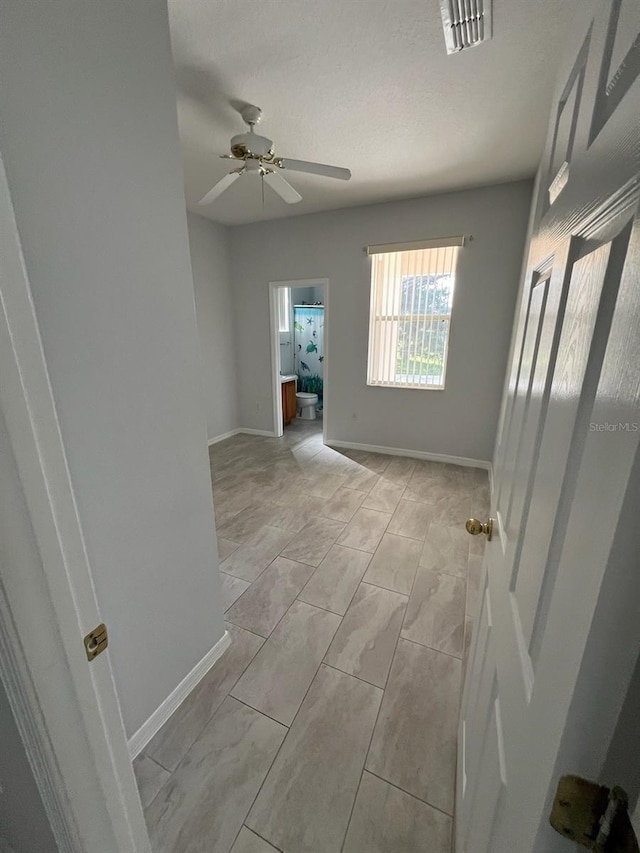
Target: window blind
{"points": [[410, 316]]}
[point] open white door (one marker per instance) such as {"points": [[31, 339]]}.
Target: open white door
{"points": [[66, 708], [558, 625]]}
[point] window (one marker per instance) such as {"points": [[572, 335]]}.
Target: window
{"points": [[410, 315], [284, 309]]}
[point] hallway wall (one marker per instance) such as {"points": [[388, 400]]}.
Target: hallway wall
{"points": [[90, 142], [209, 245]]}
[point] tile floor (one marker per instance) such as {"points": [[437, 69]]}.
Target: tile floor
{"points": [[330, 723]]}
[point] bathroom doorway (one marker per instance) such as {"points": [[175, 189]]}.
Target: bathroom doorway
{"points": [[299, 316]]}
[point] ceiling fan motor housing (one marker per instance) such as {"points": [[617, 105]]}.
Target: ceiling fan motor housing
{"points": [[250, 144]]}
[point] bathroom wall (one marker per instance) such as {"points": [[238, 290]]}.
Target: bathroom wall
{"points": [[332, 245], [209, 247], [306, 294], [90, 143]]}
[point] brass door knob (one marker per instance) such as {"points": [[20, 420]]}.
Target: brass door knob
{"points": [[474, 527]]}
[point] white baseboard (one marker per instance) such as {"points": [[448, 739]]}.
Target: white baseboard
{"points": [[238, 431], [414, 454], [148, 729], [222, 436]]}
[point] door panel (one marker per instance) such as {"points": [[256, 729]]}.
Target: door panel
{"points": [[481, 690], [512, 510], [503, 701], [490, 798], [567, 443], [566, 390], [526, 367]]}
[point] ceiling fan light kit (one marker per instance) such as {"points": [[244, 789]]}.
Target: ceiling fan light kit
{"points": [[256, 155]]}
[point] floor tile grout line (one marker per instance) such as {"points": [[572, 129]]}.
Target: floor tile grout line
{"points": [[351, 674], [363, 582], [247, 631], [390, 514], [266, 639], [270, 843], [288, 726], [409, 794], [425, 646], [311, 604], [384, 691], [211, 716], [387, 588], [297, 597], [283, 615], [464, 616], [158, 792], [373, 731], [151, 758], [253, 802], [341, 615], [280, 554], [236, 625], [244, 702], [185, 753]]}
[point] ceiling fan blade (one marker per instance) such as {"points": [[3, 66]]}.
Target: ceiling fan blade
{"points": [[219, 188], [313, 168], [283, 188]]}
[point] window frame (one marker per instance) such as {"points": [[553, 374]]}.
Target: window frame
{"points": [[378, 363]]}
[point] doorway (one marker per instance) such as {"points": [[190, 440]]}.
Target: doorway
{"points": [[299, 320]]}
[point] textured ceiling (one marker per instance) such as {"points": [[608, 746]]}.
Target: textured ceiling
{"points": [[365, 84]]}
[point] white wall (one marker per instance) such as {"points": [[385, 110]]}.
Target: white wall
{"points": [[90, 144], [462, 419], [214, 311], [23, 821], [306, 294]]}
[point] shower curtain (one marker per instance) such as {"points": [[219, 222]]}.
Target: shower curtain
{"points": [[308, 347]]}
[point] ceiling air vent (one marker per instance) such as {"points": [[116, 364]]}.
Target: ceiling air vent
{"points": [[466, 23]]}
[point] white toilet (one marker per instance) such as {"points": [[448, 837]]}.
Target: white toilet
{"points": [[306, 404]]}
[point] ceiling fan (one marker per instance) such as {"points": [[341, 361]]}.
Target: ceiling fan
{"points": [[255, 155]]}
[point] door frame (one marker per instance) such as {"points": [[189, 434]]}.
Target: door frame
{"points": [[274, 286], [66, 709]]}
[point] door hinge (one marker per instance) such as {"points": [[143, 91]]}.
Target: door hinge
{"points": [[96, 641], [593, 816]]}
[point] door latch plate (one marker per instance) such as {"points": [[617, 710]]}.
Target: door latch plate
{"points": [[96, 641]]}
